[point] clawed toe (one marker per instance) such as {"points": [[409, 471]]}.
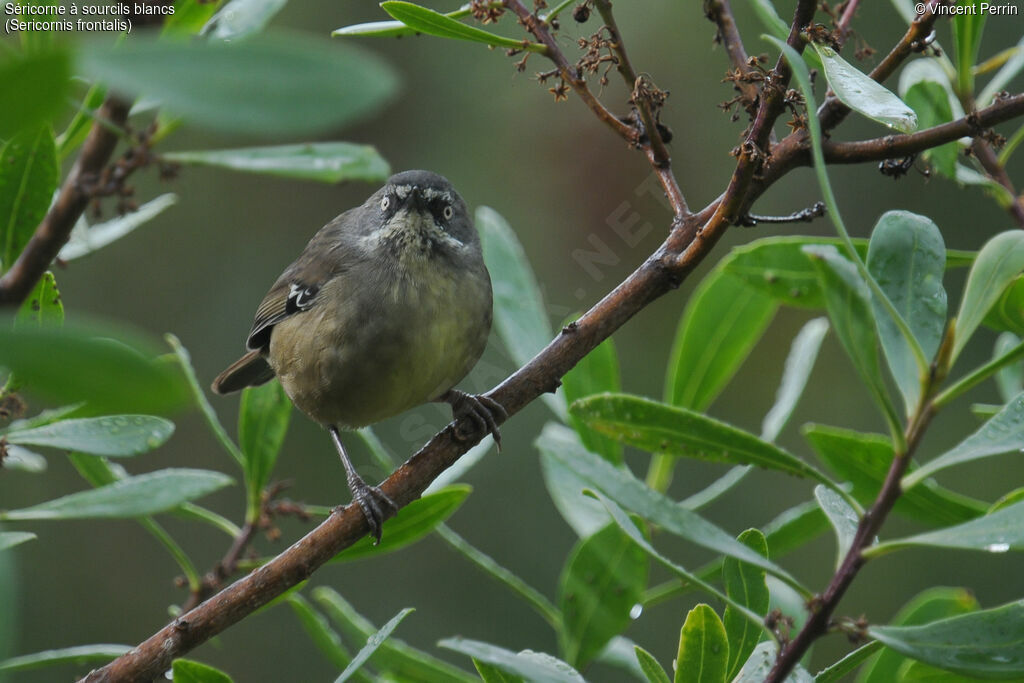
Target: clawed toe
{"points": [[484, 411], [376, 507]]}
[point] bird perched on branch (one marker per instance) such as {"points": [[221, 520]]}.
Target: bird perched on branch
{"points": [[387, 307]]}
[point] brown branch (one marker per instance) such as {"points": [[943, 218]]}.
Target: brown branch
{"points": [[53, 232], [843, 26], [720, 13], [983, 152]]}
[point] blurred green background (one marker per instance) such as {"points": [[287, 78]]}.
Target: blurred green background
{"points": [[561, 179]]}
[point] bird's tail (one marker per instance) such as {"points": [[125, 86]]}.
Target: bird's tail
{"points": [[250, 370]]}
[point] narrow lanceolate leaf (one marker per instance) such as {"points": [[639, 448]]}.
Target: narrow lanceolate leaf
{"points": [[847, 300], [81, 655], [411, 523], [597, 373], [1007, 313], [745, 584], [96, 366], [1001, 434], [423, 20], [145, 494], [722, 322], [263, 417], [863, 459], [85, 239], [929, 605], [43, 306], [761, 661], [864, 95], [326, 162], [35, 88], [907, 258], [9, 539], [836, 672], [28, 176], [188, 671], [372, 644], [319, 630], [925, 86], [242, 18], [626, 490], [653, 671], [989, 643], [799, 363], [703, 655], [999, 262], [1009, 378], [841, 516], [390, 29], [669, 430], [998, 532], [533, 666], [584, 514], [1007, 73], [116, 435], [305, 85], [603, 579]]}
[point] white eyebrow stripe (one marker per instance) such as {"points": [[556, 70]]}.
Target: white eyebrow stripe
{"points": [[431, 194], [402, 191]]}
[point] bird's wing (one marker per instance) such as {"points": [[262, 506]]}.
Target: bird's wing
{"points": [[297, 290]]}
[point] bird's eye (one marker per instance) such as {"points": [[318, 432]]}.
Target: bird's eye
{"points": [[385, 203], [448, 212]]}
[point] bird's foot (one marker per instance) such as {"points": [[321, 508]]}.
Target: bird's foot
{"points": [[375, 504], [484, 411]]}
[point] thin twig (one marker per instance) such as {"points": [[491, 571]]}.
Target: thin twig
{"points": [[990, 162], [846, 19], [74, 196]]}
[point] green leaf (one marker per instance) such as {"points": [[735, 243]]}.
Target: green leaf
{"points": [[998, 532], [188, 671], [912, 671], [967, 30], [584, 514], [394, 656], [1007, 313], [1000, 261], [846, 665], [668, 430], [423, 20], [929, 605], [372, 644], [520, 317], [722, 321], [145, 494], [604, 577], [846, 298], [864, 95], [35, 89], [189, 17], [319, 630], [263, 416], [78, 129], [1007, 73], [703, 655], [113, 370], [597, 373], [9, 539], [23, 459], [116, 435], [799, 364], [987, 643], [863, 459], [325, 162], [761, 661], [81, 655], [410, 524], [85, 239], [907, 258], [488, 673], [304, 85], [841, 516], [745, 584], [770, 19], [794, 527], [926, 89], [1001, 434], [533, 666], [28, 177], [653, 671], [242, 18], [43, 306], [623, 488], [391, 29]]}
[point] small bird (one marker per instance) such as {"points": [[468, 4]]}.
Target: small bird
{"points": [[387, 307]]}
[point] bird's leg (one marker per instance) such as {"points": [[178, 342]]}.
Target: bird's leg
{"points": [[484, 411], [375, 504]]}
